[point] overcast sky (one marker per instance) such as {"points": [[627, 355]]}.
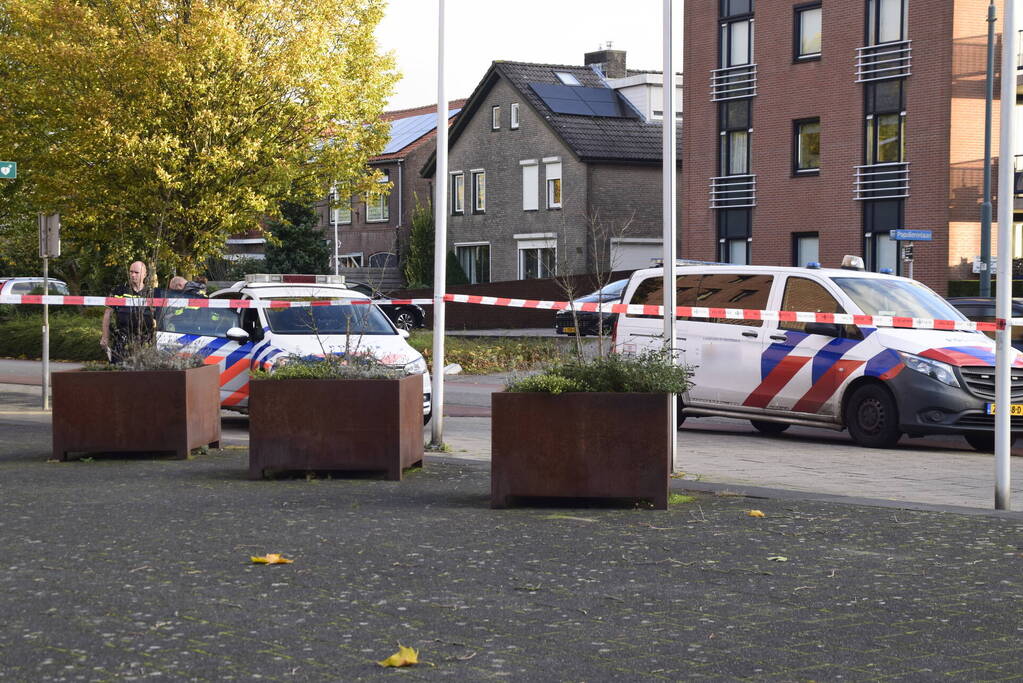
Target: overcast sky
{"points": [[481, 31]]}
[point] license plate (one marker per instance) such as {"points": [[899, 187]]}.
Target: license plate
{"points": [[1014, 409], [568, 330]]}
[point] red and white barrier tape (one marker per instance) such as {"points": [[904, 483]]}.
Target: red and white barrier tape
{"points": [[631, 309]]}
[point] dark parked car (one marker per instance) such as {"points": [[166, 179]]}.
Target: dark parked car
{"points": [[589, 321], [404, 316], [982, 309]]}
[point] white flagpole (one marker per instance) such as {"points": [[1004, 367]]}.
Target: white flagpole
{"points": [[440, 217], [1003, 301], [668, 173]]}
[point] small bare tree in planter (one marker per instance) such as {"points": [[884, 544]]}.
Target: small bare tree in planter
{"points": [[595, 428], [156, 400]]}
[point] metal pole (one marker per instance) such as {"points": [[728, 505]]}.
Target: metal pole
{"points": [[46, 327], [985, 207], [1003, 303], [440, 218], [334, 221], [668, 173]]}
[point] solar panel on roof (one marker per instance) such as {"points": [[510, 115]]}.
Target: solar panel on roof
{"points": [[409, 129], [582, 100]]}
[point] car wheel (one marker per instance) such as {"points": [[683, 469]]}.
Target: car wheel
{"points": [[984, 441], [769, 427], [405, 320], [872, 417]]}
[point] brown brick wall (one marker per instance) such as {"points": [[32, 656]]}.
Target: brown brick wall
{"points": [[944, 132]]}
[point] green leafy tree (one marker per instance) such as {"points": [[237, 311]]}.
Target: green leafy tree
{"points": [[418, 267], [297, 246], [160, 127]]}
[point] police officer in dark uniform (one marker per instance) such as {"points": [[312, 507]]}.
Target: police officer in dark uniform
{"points": [[135, 326]]}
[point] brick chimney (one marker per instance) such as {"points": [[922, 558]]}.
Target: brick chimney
{"points": [[611, 63]]}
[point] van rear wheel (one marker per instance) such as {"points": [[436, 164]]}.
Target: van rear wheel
{"points": [[872, 417], [765, 427]]}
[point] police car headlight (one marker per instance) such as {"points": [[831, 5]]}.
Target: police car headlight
{"points": [[416, 367], [942, 372]]}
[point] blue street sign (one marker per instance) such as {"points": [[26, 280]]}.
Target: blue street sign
{"points": [[910, 235], [8, 170]]}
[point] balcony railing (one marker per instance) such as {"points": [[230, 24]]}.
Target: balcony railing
{"points": [[733, 83], [733, 191], [888, 60], [882, 181]]}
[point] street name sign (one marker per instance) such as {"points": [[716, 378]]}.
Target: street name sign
{"points": [[911, 235]]}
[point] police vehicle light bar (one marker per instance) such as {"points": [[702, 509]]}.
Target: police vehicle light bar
{"points": [[296, 279]]}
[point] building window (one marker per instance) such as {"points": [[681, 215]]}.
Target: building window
{"points": [[736, 32], [342, 214], [514, 116], [808, 31], [879, 218], [377, 210], [734, 235], [885, 122], [807, 147], [475, 261], [479, 191], [458, 193], [886, 21], [735, 137], [567, 78], [552, 172], [530, 185], [805, 248], [538, 255], [495, 117]]}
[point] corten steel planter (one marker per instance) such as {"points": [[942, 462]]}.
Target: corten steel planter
{"points": [[579, 445], [335, 424], [141, 411]]}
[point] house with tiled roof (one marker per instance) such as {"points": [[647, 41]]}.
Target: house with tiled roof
{"points": [[556, 169], [366, 232]]}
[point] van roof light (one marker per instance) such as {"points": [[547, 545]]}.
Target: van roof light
{"points": [[814, 265], [886, 271], [295, 279], [850, 262]]}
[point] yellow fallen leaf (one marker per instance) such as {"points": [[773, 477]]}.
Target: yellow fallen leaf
{"points": [[405, 656], [271, 558], [754, 513]]}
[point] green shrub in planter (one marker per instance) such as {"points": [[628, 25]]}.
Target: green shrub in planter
{"points": [[147, 358], [350, 366], [649, 372]]}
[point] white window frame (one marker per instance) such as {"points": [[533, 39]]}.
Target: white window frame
{"points": [[567, 78], [495, 117], [379, 200], [530, 185], [514, 113], [467, 245], [535, 241], [479, 206], [353, 256], [458, 193], [552, 181]]}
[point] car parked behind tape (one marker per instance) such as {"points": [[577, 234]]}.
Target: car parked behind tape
{"points": [[404, 316], [982, 309], [591, 322], [31, 285]]}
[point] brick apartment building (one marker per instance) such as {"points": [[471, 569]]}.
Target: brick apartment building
{"points": [[371, 229], [814, 128]]}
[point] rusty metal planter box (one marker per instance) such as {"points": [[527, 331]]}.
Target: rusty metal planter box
{"points": [[143, 411], [336, 424], [579, 445]]}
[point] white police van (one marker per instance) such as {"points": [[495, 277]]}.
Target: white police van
{"points": [[259, 338], [877, 382]]}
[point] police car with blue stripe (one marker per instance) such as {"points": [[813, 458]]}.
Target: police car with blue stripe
{"points": [[260, 338]]}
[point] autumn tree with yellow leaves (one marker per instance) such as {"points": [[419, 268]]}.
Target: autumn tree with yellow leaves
{"points": [[160, 127]]}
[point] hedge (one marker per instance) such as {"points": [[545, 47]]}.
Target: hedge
{"points": [[74, 335], [972, 287]]}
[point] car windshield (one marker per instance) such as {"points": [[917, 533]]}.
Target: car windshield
{"points": [[336, 319], [903, 298], [610, 292]]}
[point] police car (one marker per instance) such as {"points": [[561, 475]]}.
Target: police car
{"points": [[877, 382], [259, 338]]}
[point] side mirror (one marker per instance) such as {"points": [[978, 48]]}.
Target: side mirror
{"points": [[404, 333], [237, 334], [827, 329]]}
